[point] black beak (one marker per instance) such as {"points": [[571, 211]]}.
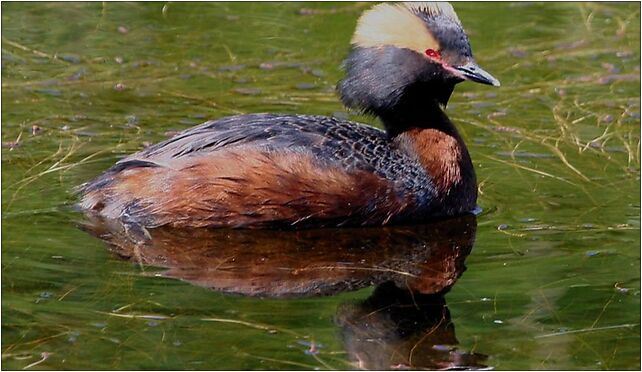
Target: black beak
{"points": [[470, 71]]}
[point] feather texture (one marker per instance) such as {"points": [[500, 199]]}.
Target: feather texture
{"points": [[263, 169]]}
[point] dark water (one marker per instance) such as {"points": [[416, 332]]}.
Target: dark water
{"points": [[553, 275]]}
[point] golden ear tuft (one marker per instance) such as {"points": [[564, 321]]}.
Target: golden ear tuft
{"points": [[395, 25]]}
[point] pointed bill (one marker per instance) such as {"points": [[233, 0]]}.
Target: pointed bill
{"points": [[470, 71]]}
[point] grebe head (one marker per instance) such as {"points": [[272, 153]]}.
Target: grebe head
{"points": [[406, 55]]}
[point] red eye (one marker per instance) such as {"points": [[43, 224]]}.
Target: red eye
{"points": [[433, 54]]}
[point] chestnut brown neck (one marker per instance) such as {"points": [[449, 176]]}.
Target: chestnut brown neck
{"points": [[436, 144]]}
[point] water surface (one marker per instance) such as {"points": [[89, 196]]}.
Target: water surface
{"points": [[553, 278]]}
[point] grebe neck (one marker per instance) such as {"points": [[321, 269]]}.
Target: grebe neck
{"points": [[428, 136], [420, 107]]}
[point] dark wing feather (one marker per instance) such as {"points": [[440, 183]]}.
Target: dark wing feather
{"points": [[352, 145], [327, 141]]}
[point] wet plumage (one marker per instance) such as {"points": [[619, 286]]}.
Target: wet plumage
{"points": [[269, 170]]}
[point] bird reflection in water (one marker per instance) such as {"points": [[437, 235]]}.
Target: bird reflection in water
{"points": [[405, 323]]}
